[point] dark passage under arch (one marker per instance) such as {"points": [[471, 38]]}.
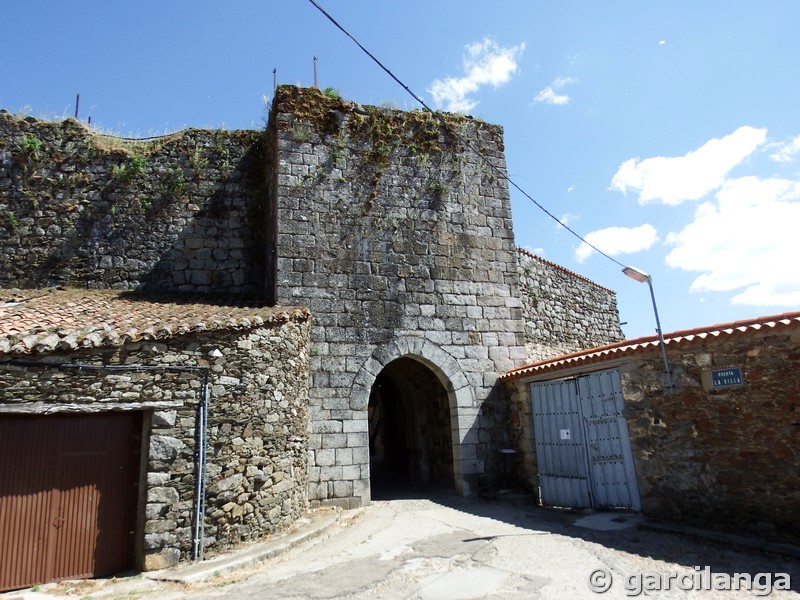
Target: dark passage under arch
{"points": [[410, 434]]}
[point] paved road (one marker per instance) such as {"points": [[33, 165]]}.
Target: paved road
{"points": [[452, 549], [429, 550]]}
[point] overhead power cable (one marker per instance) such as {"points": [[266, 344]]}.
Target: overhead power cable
{"points": [[466, 142]]}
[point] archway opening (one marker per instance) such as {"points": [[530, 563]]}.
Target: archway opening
{"points": [[410, 435]]}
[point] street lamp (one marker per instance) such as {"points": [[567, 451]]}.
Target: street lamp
{"points": [[643, 277]]}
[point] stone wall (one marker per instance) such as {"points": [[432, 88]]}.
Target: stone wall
{"points": [[726, 457], [396, 231], [563, 311], [257, 426], [393, 227], [523, 438], [181, 212]]}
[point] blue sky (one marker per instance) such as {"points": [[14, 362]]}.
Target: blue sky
{"points": [[665, 133]]}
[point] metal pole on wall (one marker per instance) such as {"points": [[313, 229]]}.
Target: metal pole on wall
{"points": [[315, 71], [77, 104], [643, 277]]}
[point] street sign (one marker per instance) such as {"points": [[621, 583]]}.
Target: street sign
{"points": [[727, 377]]}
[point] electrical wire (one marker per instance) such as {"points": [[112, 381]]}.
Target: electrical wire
{"points": [[444, 123]]}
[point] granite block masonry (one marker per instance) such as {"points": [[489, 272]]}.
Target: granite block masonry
{"points": [[394, 227], [398, 235]]}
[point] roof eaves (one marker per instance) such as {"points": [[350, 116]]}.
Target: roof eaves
{"points": [[629, 347], [25, 334]]}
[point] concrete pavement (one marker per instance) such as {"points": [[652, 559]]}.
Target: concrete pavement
{"points": [[450, 548]]}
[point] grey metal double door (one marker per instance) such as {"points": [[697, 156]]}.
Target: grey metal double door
{"points": [[582, 444]]}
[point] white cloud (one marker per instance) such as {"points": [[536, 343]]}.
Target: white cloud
{"points": [[560, 82], [537, 251], [485, 63], [571, 189], [786, 152], [690, 177], [566, 219], [745, 239], [617, 240], [549, 95]]}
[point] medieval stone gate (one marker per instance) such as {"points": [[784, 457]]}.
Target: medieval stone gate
{"points": [[397, 234], [393, 227]]}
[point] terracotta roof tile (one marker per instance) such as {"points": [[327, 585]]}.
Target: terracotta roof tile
{"points": [[68, 319], [684, 337]]}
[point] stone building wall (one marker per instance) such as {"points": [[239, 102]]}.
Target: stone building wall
{"points": [[726, 458], [563, 311], [257, 426], [523, 437], [181, 212], [394, 228], [398, 236]]}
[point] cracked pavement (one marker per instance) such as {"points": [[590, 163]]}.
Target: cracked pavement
{"points": [[450, 548]]}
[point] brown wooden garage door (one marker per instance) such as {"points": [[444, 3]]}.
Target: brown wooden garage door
{"points": [[68, 495]]}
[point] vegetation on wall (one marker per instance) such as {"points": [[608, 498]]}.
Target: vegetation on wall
{"points": [[367, 146], [81, 203]]}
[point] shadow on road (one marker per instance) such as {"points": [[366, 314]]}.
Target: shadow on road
{"points": [[689, 551]]}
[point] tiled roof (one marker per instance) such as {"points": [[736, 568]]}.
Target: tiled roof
{"points": [[69, 319], [686, 337], [528, 254]]}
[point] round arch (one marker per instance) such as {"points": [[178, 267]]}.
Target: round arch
{"points": [[461, 397]]}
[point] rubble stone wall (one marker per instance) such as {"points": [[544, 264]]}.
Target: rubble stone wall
{"points": [[257, 435], [394, 227], [182, 212], [726, 457], [729, 456], [563, 311]]}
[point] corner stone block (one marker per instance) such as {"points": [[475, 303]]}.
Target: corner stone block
{"points": [[162, 495], [153, 541], [361, 455], [164, 418], [165, 448], [361, 490], [317, 491]]}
